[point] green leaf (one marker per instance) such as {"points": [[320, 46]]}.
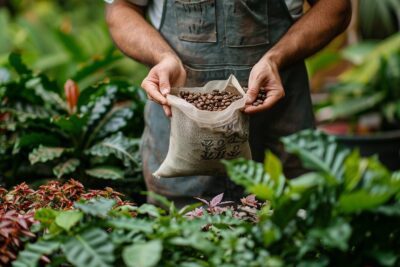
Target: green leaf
{"points": [[106, 172], [66, 167], [118, 145], [273, 166], [143, 255], [68, 219], [252, 176], [335, 235], [46, 216], [74, 124], [32, 253], [92, 248], [96, 207], [35, 139], [353, 170], [363, 200], [114, 120], [16, 62], [349, 107], [150, 210], [133, 224], [44, 154], [318, 152]]}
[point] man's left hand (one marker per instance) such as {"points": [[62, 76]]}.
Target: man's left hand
{"points": [[265, 74]]}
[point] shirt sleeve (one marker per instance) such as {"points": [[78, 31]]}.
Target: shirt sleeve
{"points": [[139, 2]]}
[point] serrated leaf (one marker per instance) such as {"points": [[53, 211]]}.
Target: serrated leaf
{"points": [[92, 248], [96, 207], [66, 167], [143, 255], [106, 172], [32, 253], [118, 145], [68, 219], [44, 154]]}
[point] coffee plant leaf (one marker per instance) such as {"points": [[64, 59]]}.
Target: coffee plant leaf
{"points": [[44, 154], [363, 200], [66, 167], [106, 172], [68, 219], [92, 248], [32, 253], [252, 176], [143, 255], [132, 224], [318, 152], [96, 207]]}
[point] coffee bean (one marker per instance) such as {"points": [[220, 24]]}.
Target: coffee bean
{"points": [[214, 101]]}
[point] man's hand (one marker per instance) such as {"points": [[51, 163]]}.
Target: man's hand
{"points": [[168, 72], [264, 74]]}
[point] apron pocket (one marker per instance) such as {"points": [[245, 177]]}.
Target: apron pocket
{"points": [[198, 76], [246, 23], [196, 20]]}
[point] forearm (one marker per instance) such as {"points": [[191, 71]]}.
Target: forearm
{"points": [[325, 20], [133, 35]]}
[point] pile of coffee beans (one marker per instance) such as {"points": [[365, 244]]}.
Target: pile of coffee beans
{"points": [[262, 95], [214, 101]]}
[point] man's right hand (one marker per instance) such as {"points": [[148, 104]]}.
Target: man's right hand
{"points": [[168, 72]]}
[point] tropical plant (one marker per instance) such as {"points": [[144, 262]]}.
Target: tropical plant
{"points": [[92, 134], [344, 212], [66, 40], [378, 94], [17, 208]]}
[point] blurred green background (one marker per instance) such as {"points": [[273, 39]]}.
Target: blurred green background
{"points": [[61, 38]]}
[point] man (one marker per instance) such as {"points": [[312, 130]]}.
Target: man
{"points": [[262, 42]]}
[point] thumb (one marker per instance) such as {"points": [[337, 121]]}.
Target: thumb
{"points": [[165, 86], [252, 92]]}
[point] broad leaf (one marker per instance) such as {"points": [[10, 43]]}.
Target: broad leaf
{"points": [[143, 255], [44, 154], [32, 253], [252, 176], [66, 167], [92, 248], [318, 152], [106, 172], [67, 219], [96, 207], [74, 124], [118, 145]]}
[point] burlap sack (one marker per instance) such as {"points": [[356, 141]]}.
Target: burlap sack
{"points": [[200, 139]]}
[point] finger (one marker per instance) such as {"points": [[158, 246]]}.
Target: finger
{"points": [[254, 87], [167, 110], [165, 86], [152, 91], [269, 102]]}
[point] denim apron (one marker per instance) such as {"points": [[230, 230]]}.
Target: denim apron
{"points": [[216, 38]]}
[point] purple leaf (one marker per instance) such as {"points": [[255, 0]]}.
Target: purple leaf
{"points": [[203, 200], [216, 200]]}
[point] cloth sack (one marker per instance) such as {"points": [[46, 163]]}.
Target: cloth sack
{"points": [[200, 139]]}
